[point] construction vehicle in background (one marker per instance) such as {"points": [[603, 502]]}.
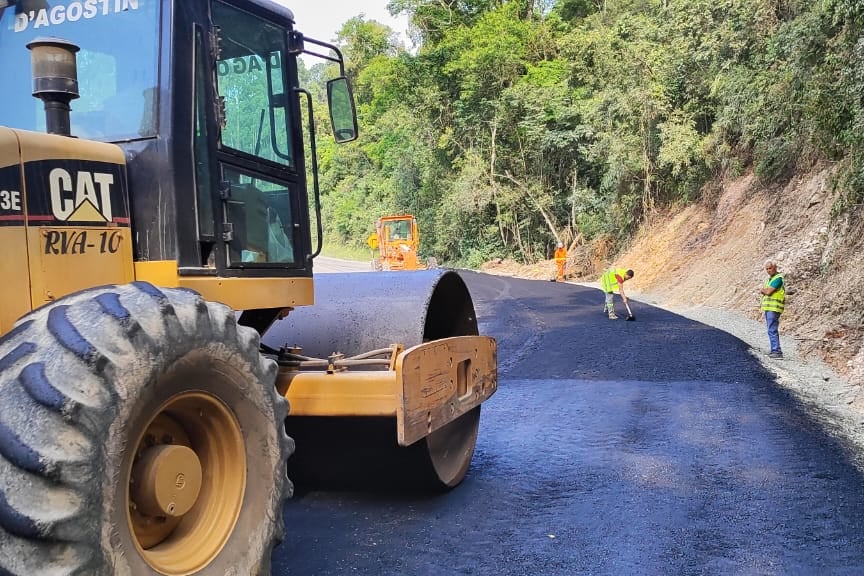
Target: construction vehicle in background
{"points": [[397, 241], [157, 289]]}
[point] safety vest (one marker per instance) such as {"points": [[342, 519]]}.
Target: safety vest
{"points": [[609, 282], [776, 300], [560, 254]]}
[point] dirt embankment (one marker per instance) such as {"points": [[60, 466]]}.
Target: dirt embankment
{"points": [[712, 255]]}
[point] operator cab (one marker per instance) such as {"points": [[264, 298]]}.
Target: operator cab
{"points": [[204, 99], [398, 229]]}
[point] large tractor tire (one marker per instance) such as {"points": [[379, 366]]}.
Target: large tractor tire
{"points": [[140, 434]]}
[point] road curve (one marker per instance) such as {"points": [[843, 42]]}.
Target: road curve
{"points": [[658, 446]]}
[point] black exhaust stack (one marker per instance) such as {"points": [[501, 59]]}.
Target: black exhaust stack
{"points": [[55, 80]]}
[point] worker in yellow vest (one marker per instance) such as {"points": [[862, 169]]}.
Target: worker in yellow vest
{"points": [[773, 302], [560, 260], [613, 281]]}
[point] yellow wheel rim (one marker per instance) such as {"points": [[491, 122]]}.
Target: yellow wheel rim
{"points": [[185, 484]]}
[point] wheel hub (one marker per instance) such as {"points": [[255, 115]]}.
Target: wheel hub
{"points": [[186, 483], [166, 481]]}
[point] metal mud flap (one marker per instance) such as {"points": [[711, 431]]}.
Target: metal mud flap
{"points": [[439, 381]]}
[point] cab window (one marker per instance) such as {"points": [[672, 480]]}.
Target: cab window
{"points": [[250, 78], [398, 230], [260, 211], [117, 77], [255, 161]]}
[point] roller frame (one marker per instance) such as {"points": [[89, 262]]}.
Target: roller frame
{"points": [[431, 385]]}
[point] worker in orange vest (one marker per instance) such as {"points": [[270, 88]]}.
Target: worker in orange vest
{"points": [[560, 260]]}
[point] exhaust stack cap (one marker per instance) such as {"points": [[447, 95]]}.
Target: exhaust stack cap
{"points": [[55, 68], [55, 80]]}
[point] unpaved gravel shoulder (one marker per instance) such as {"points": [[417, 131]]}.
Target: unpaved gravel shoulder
{"points": [[827, 394]]}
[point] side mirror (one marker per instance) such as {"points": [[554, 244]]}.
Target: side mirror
{"points": [[343, 117]]}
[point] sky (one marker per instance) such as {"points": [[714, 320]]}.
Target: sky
{"points": [[321, 19]]}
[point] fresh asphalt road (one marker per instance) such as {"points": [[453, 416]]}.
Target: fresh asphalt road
{"points": [[658, 446]]}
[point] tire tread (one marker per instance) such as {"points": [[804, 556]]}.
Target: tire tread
{"points": [[42, 405]]}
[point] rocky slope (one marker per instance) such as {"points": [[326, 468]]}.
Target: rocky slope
{"points": [[713, 256], [707, 261]]}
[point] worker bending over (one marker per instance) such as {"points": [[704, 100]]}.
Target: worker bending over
{"points": [[613, 281]]}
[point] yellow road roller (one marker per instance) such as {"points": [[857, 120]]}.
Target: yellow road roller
{"points": [[163, 346]]}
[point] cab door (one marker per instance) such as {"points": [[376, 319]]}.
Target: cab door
{"points": [[252, 195]]}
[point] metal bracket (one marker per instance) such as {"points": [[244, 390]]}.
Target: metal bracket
{"points": [[296, 45], [225, 190], [221, 115], [216, 42]]}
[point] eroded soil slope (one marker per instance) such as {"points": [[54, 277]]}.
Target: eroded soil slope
{"points": [[712, 255]]}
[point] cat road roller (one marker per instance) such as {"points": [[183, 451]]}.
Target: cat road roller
{"points": [[159, 314]]}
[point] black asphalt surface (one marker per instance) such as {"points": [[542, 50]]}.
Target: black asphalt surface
{"points": [[658, 446]]}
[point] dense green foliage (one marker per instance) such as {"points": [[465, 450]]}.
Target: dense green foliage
{"points": [[516, 123]]}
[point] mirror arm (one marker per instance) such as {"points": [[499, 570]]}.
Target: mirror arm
{"points": [[337, 59]]}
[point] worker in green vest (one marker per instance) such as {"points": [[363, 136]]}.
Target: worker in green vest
{"points": [[773, 301], [613, 281]]}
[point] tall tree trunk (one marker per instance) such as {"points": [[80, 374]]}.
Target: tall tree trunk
{"points": [[647, 165], [493, 184], [573, 216], [549, 223], [517, 233]]}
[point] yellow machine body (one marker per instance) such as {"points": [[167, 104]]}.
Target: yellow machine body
{"points": [[68, 237], [152, 429], [430, 385], [75, 233]]}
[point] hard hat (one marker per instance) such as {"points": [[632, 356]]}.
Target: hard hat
{"points": [[560, 244]]}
